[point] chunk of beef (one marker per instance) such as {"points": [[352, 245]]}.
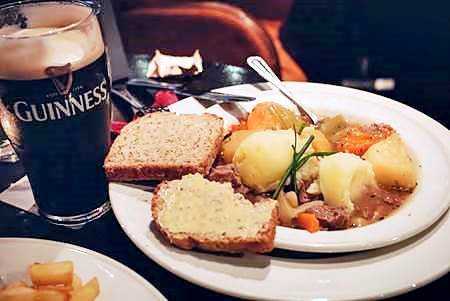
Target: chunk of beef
{"points": [[332, 218], [227, 173], [303, 195], [254, 197], [224, 173]]}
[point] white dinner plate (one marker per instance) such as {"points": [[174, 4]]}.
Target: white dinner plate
{"points": [[117, 282], [371, 274], [428, 140], [377, 273]]}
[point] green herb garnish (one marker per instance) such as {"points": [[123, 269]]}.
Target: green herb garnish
{"points": [[293, 176], [294, 148], [298, 161]]}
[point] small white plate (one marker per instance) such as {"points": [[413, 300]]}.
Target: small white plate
{"points": [[428, 140], [117, 282], [374, 274]]}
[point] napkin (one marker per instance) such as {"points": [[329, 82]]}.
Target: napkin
{"points": [[162, 65], [19, 195], [191, 106]]}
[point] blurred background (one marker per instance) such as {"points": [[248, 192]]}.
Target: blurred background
{"points": [[400, 49]]}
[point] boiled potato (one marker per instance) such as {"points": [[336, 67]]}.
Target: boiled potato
{"points": [[263, 157], [50, 295], [392, 164], [87, 292], [18, 294], [52, 273], [231, 144], [344, 178]]}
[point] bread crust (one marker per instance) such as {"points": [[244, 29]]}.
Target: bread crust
{"points": [[116, 171], [263, 242]]}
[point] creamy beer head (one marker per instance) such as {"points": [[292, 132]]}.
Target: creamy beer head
{"points": [[53, 35]]}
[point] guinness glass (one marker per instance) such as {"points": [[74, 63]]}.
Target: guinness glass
{"points": [[55, 105]]}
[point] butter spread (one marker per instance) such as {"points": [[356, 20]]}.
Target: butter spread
{"points": [[196, 205]]}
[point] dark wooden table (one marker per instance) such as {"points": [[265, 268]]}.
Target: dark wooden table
{"points": [[106, 236]]}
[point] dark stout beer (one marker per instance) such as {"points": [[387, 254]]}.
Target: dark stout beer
{"points": [[55, 106]]}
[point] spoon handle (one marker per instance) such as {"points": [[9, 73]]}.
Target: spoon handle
{"points": [[260, 66]]}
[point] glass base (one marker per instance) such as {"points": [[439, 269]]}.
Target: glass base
{"points": [[77, 221]]}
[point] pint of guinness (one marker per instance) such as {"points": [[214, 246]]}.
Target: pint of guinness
{"points": [[55, 105]]}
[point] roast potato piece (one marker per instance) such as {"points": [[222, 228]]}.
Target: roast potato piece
{"points": [[87, 292], [391, 162], [52, 273], [76, 283], [18, 294], [50, 295], [59, 288]]}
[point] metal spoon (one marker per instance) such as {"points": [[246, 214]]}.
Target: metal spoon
{"points": [[260, 66]]}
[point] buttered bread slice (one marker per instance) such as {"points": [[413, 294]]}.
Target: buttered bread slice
{"points": [[197, 213]]}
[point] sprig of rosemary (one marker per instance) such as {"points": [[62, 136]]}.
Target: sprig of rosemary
{"points": [[291, 168], [294, 148], [298, 161]]}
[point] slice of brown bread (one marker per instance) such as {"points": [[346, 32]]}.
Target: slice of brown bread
{"points": [[197, 213], [165, 146]]}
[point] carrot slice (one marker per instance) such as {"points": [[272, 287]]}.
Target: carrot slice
{"points": [[359, 138], [308, 222], [356, 141]]}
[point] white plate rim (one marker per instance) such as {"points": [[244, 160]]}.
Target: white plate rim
{"points": [[105, 259]]}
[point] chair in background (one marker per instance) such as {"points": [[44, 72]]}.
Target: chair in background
{"points": [[271, 14], [222, 32]]}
